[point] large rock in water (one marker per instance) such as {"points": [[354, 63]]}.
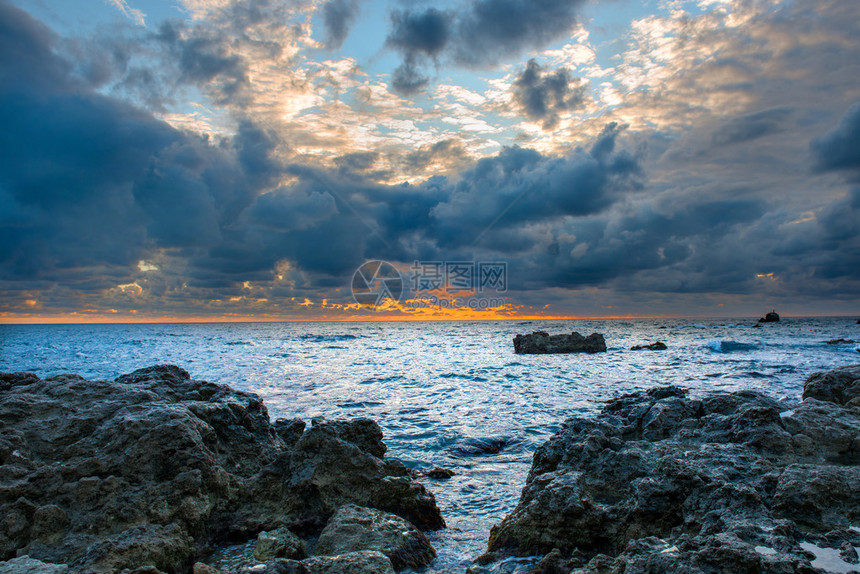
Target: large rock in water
{"points": [[541, 343], [659, 482], [154, 468]]}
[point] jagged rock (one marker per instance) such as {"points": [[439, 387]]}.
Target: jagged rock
{"points": [[771, 317], [27, 565], [541, 343], [153, 468], [201, 568], [362, 562], [658, 346], [848, 553], [279, 543], [840, 386], [162, 547], [355, 528], [659, 482]]}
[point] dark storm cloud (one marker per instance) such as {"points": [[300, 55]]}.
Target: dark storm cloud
{"points": [[407, 79], [752, 126], [491, 30], [484, 33], [90, 185], [840, 147], [203, 58], [89, 181], [425, 33], [419, 37], [520, 186], [290, 210], [357, 161], [338, 17], [543, 95], [28, 43]]}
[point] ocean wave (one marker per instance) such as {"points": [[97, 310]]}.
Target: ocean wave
{"points": [[724, 346]]}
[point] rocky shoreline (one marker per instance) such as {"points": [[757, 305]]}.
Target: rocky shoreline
{"points": [[153, 471], [660, 482]]}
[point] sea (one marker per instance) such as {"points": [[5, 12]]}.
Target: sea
{"points": [[449, 394]]}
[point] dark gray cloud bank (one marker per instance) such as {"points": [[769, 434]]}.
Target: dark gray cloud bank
{"points": [[91, 185]]}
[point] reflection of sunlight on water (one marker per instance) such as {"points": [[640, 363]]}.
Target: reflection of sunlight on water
{"points": [[436, 386]]}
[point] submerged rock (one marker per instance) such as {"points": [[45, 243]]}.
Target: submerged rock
{"points": [[840, 341], [354, 528], [440, 473], [658, 346], [480, 446], [771, 317], [659, 482], [541, 343], [155, 468]]}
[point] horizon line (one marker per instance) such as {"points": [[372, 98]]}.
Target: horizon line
{"points": [[222, 320]]}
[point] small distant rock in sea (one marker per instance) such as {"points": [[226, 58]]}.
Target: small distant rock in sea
{"points": [[771, 317], [658, 346], [439, 472], [542, 343], [840, 342]]}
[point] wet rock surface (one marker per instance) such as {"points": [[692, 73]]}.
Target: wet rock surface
{"points": [[354, 528], [156, 469], [541, 343], [660, 482], [361, 562], [279, 543]]}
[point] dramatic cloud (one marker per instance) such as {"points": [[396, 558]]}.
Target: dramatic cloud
{"points": [[840, 147], [481, 34], [418, 37], [490, 30], [544, 95], [231, 163]]}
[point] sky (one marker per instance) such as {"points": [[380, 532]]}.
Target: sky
{"points": [[201, 160]]}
